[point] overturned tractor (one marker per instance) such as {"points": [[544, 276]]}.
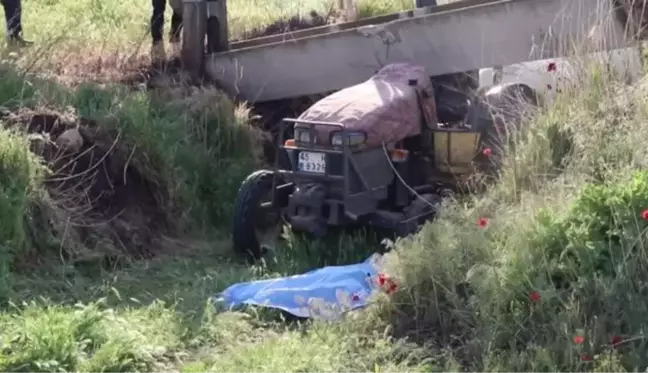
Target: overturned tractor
{"points": [[379, 153], [379, 150]]}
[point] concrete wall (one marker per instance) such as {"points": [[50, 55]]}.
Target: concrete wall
{"points": [[490, 33]]}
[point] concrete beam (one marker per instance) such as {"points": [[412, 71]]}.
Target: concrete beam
{"points": [[445, 39], [194, 20]]}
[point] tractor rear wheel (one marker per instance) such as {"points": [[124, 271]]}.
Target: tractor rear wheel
{"points": [[500, 112]]}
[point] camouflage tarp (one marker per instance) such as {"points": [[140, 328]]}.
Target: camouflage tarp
{"points": [[385, 107]]}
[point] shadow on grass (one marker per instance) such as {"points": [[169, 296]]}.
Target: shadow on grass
{"points": [[185, 275]]}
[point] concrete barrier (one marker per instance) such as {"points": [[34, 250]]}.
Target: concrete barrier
{"points": [[445, 40]]}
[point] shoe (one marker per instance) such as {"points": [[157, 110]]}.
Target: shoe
{"points": [[18, 42]]}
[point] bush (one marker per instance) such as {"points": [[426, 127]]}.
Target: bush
{"points": [[195, 144]]}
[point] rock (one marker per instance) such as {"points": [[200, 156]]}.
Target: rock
{"points": [[70, 141]]}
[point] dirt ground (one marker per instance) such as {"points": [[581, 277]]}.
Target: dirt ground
{"points": [[103, 201]]}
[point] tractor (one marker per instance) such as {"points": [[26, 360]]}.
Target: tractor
{"points": [[381, 153]]}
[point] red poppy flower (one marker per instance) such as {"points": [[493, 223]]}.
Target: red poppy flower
{"points": [[482, 222], [644, 214], [578, 339], [616, 340], [552, 67], [355, 297], [487, 152], [391, 288], [387, 283], [534, 296], [586, 358]]}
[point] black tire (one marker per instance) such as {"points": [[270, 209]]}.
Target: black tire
{"points": [[500, 115], [253, 189]]}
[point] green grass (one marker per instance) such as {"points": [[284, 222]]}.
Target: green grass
{"points": [[156, 315], [74, 313], [563, 254]]}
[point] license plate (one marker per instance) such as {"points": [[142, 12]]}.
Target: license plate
{"points": [[312, 162]]}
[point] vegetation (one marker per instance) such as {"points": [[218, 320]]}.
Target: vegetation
{"points": [[552, 278]]}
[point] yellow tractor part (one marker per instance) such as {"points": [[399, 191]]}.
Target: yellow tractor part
{"points": [[454, 150]]}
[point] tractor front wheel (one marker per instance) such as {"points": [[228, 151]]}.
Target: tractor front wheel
{"points": [[257, 223]]}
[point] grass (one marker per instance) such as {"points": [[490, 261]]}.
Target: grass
{"points": [[561, 259], [122, 23]]}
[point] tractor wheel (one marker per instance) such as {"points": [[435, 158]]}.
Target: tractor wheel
{"points": [[256, 228], [425, 207], [499, 114]]}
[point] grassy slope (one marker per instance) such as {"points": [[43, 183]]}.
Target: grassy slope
{"points": [[154, 315], [154, 312]]}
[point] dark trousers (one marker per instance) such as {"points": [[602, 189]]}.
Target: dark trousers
{"points": [[157, 21], [12, 10]]}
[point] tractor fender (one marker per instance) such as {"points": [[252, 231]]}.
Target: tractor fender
{"points": [[498, 112], [550, 76], [502, 104]]}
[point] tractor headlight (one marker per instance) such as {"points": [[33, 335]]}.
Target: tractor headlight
{"points": [[353, 138], [302, 135]]}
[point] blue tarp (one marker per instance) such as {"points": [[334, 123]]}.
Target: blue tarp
{"points": [[324, 292]]}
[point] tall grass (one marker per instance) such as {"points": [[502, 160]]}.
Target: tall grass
{"points": [[553, 282], [20, 176], [195, 144]]}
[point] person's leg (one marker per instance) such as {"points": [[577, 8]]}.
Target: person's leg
{"points": [[12, 17], [157, 20], [158, 53], [13, 10]]}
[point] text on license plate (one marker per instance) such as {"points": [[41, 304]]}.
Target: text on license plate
{"points": [[312, 162]]}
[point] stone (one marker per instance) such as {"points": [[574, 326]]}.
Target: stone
{"points": [[70, 141]]}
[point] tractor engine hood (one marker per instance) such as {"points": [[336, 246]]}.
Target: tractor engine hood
{"points": [[386, 108]]}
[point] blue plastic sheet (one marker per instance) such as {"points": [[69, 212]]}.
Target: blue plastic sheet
{"points": [[325, 293]]}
